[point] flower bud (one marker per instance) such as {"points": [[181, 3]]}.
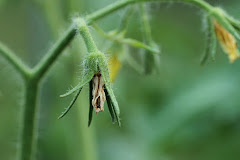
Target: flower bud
{"points": [[227, 41]]}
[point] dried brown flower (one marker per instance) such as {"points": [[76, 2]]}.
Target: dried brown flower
{"points": [[98, 93]]}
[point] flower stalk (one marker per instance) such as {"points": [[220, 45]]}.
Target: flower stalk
{"points": [[82, 27]]}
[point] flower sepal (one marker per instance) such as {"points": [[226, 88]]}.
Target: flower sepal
{"points": [[96, 73]]}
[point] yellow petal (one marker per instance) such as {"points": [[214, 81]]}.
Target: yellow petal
{"points": [[114, 67], [227, 41]]}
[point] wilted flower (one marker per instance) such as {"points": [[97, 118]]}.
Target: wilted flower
{"points": [[96, 74], [227, 41], [98, 93]]}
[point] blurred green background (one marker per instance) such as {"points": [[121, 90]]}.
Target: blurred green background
{"points": [[184, 112]]}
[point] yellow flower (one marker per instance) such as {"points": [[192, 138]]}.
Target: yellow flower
{"points": [[114, 67], [227, 41]]}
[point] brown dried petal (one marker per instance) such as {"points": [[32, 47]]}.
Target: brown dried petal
{"points": [[98, 93]]}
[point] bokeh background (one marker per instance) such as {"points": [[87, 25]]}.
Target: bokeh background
{"points": [[183, 112]]}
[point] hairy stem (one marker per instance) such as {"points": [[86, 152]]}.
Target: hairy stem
{"points": [[14, 61], [29, 130], [84, 31], [202, 4], [54, 52], [108, 10]]}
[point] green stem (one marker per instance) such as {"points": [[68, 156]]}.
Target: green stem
{"points": [[202, 4], [54, 52], [146, 25], [84, 31], [108, 9], [118, 38], [14, 60], [125, 20], [29, 130]]}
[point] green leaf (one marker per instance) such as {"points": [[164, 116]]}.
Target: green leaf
{"points": [[110, 107], [86, 78], [114, 104], [90, 104], [151, 61], [105, 73], [133, 63], [70, 105], [211, 42]]}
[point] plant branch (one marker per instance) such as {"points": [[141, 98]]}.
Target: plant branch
{"points": [[43, 66], [120, 39], [108, 9], [200, 3], [14, 60], [29, 131]]}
